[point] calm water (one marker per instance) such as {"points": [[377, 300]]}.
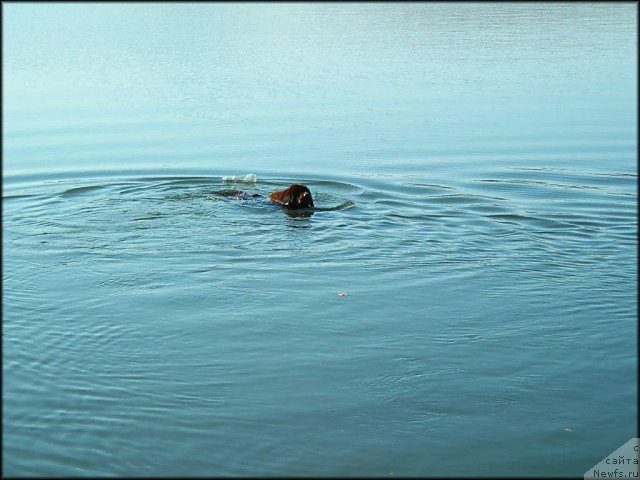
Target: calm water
{"points": [[476, 167]]}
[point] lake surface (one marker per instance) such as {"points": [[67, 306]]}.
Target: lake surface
{"points": [[475, 166]]}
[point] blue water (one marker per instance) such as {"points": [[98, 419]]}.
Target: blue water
{"points": [[475, 165]]}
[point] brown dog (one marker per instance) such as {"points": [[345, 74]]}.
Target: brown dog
{"points": [[295, 197]]}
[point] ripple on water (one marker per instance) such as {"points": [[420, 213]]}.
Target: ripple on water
{"points": [[152, 297]]}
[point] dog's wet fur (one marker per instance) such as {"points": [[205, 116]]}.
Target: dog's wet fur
{"points": [[296, 197]]}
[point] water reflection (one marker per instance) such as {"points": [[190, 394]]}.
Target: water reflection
{"points": [[300, 213], [473, 168]]}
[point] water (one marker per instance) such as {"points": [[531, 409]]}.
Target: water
{"points": [[476, 169]]}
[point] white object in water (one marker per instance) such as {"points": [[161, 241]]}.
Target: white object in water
{"points": [[248, 178]]}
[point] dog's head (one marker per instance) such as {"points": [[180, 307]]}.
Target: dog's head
{"points": [[295, 197]]}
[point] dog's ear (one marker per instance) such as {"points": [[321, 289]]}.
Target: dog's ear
{"points": [[280, 196], [286, 197]]}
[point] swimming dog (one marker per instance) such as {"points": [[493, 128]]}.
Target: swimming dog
{"points": [[296, 197]]}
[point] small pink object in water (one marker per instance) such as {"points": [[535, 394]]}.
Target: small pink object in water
{"points": [[342, 294]]}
